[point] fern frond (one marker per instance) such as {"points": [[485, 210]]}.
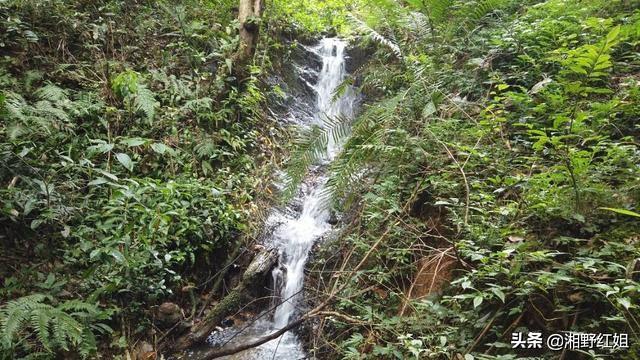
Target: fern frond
{"points": [[145, 102], [477, 10], [41, 319], [15, 314], [52, 93], [200, 104], [342, 89], [367, 147], [311, 148], [439, 9], [376, 36], [206, 149], [45, 110], [61, 327], [436, 10], [15, 106], [88, 344]]}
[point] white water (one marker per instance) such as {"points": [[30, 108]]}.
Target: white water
{"points": [[332, 75], [294, 236]]}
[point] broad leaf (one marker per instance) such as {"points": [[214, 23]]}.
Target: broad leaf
{"points": [[125, 160]]}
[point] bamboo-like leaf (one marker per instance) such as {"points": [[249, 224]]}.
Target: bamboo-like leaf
{"points": [[622, 211]]}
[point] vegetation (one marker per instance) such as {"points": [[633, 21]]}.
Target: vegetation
{"points": [[489, 186], [126, 175], [494, 171]]}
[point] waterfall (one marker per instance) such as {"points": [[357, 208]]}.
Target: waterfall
{"points": [[294, 236], [332, 75]]}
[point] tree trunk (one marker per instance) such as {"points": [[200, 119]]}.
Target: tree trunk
{"points": [[249, 13], [252, 277]]}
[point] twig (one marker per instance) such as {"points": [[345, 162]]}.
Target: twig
{"points": [[342, 316], [482, 334]]}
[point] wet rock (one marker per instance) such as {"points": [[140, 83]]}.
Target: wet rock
{"points": [[169, 314], [333, 218], [357, 56], [228, 322], [296, 207], [258, 247]]}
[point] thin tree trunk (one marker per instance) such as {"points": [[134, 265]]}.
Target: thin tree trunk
{"points": [[249, 13]]}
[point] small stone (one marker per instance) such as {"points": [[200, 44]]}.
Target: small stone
{"points": [[169, 313], [144, 351]]}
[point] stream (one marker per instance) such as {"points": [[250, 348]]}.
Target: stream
{"points": [[294, 232]]}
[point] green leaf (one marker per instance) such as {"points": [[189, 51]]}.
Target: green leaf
{"points": [[229, 63], [107, 174], [36, 223], [159, 148], [613, 34], [117, 255], [626, 302], [98, 181], [622, 211], [125, 160], [477, 301], [498, 293], [429, 109], [94, 253], [131, 142], [100, 148]]}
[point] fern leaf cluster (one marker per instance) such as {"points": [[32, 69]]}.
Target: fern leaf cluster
{"points": [[376, 36], [145, 102], [50, 108], [31, 322], [311, 148]]}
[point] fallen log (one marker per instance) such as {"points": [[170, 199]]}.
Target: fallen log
{"points": [[241, 294]]}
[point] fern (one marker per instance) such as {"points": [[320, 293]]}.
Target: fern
{"points": [[51, 110], [206, 149], [436, 10], [145, 102], [61, 327], [367, 148], [439, 10], [311, 148], [591, 60], [477, 10], [199, 105], [376, 36], [52, 93]]}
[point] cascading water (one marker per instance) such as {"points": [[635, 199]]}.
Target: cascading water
{"points": [[333, 73], [294, 236]]}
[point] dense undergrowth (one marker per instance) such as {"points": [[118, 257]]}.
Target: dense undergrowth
{"points": [[130, 153], [491, 185]]}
